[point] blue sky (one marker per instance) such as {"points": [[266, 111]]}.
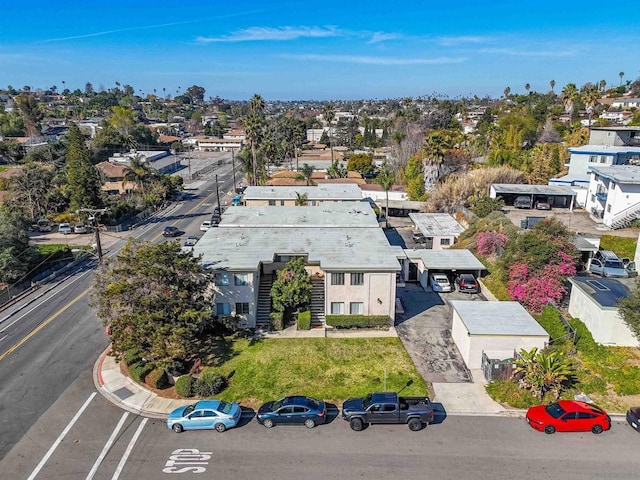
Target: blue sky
{"points": [[318, 50]]}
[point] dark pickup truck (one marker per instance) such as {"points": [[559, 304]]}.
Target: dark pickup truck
{"points": [[387, 407]]}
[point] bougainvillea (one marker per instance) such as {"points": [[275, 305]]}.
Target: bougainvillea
{"points": [[487, 243]]}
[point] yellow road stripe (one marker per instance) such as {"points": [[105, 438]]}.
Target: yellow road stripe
{"points": [[42, 325]]}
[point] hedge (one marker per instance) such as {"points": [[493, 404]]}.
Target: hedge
{"points": [[358, 321], [157, 379], [139, 371], [132, 356], [184, 386], [210, 383], [276, 321], [304, 320]]}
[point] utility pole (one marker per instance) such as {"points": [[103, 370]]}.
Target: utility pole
{"points": [[233, 167], [218, 192], [93, 217]]}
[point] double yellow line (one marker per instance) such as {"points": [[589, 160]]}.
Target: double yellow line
{"points": [[42, 325]]}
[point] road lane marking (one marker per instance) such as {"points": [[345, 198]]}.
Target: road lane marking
{"points": [[129, 449], [42, 325], [107, 446], [61, 436]]}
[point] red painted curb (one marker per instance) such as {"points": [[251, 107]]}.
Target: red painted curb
{"points": [[104, 355]]}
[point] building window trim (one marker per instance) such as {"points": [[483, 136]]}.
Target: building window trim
{"points": [[337, 308], [337, 278], [243, 308], [357, 279], [221, 279], [241, 279], [223, 308], [356, 308]]}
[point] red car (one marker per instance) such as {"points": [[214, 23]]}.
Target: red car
{"points": [[568, 416]]}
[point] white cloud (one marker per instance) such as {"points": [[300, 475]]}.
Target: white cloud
{"points": [[378, 37], [277, 34], [368, 60], [525, 52], [461, 39]]}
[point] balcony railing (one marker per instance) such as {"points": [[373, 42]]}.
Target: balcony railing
{"points": [[602, 196]]}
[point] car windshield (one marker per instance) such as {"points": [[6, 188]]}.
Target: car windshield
{"points": [[366, 401], [312, 404], [225, 407], [613, 264], [277, 404], [188, 410], [596, 409], [442, 280], [555, 410]]}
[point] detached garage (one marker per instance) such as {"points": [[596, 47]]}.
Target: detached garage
{"points": [[493, 326]]}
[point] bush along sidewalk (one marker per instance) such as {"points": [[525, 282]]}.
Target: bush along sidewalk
{"points": [[358, 321]]}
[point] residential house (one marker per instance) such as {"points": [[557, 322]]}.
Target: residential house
{"points": [[626, 103], [440, 230], [352, 266], [557, 195], [417, 264], [315, 195], [113, 178], [204, 143], [293, 178], [614, 195]]}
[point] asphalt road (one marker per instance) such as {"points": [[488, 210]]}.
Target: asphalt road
{"points": [[49, 339]]}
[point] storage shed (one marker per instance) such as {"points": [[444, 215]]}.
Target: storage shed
{"points": [[490, 326]]}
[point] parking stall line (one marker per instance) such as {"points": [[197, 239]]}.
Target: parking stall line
{"points": [[107, 446], [127, 452], [61, 436]]}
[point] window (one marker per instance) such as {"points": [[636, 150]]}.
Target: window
{"points": [[375, 408], [241, 279], [356, 308], [593, 198], [357, 279], [337, 279], [221, 278], [445, 241], [337, 308], [282, 203], [272, 203], [593, 159], [608, 208], [242, 308], [585, 415], [389, 408], [300, 410], [209, 413], [603, 159], [223, 309]]}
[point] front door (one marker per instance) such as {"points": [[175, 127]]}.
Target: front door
{"points": [[413, 272]]}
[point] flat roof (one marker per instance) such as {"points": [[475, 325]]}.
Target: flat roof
{"points": [[339, 249], [449, 259], [605, 291], [398, 204], [327, 215], [521, 189], [324, 191], [497, 318], [432, 224], [603, 149], [628, 174]]}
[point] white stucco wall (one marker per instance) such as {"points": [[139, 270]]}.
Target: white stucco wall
{"points": [[378, 285], [233, 294], [604, 323]]}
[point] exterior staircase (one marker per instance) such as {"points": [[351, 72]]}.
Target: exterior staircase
{"points": [[624, 218], [264, 301], [317, 302]]}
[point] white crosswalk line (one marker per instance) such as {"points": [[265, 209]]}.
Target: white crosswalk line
{"points": [[127, 452], [107, 446]]}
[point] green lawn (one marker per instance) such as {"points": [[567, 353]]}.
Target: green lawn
{"points": [[330, 369], [622, 246]]}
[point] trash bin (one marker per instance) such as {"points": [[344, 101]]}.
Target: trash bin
{"points": [[524, 223]]}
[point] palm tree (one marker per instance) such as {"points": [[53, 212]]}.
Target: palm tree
{"points": [[253, 131], [602, 84], [301, 199], [527, 87], [306, 173], [568, 96], [542, 372], [552, 83], [139, 172], [385, 179], [506, 92], [435, 149], [329, 116], [590, 97], [621, 74]]}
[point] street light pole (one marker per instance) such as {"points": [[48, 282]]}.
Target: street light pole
{"points": [[218, 191], [93, 216]]}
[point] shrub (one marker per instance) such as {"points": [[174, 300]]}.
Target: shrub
{"points": [[210, 383], [184, 386], [358, 321], [549, 319], [276, 321], [138, 371], [509, 392], [304, 320], [157, 379], [488, 243], [132, 356]]}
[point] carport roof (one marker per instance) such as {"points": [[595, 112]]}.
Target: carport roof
{"points": [[605, 291], [436, 224], [497, 318], [520, 189], [450, 259]]}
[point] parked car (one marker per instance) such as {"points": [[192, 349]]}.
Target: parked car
{"points": [[80, 228], [568, 416], [467, 283], [191, 241], [633, 418], [543, 206], [170, 231], [630, 267], [293, 410], [217, 210], [523, 202], [387, 407], [440, 282], [44, 225], [240, 189], [205, 414], [204, 226], [236, 201], [216, 218], [607, 264], [65, 228], [418, 237]]}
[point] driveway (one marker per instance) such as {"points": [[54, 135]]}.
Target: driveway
{"points": [[425, 331]]}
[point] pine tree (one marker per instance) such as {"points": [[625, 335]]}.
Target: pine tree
{"points": [[83, 180]]}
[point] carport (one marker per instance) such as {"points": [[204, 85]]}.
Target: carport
{"points": [[418, 263], [479, 327], [560, 196]]}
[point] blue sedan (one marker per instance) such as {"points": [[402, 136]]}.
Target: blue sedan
{"points": [[293, 410], [206, 414]]}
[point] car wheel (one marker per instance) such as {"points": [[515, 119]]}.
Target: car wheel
{"points": [[220, 427], [597, 429], [177, 428], [549, 429], [268, 423], [356, 424], [309, 423], [415, 425]]}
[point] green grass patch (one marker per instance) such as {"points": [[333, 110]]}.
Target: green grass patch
{"points": [[497, 287], [622, 246], [549, 319], [52, 249], [330, 369]]}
